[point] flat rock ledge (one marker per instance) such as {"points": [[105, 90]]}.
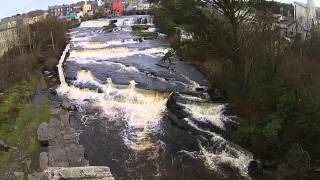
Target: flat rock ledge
{"points": [[74, 173], [64, 149]]}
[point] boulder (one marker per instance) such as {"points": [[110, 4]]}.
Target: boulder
{"points": [[89, 172], [68, 106], [43, 135]]}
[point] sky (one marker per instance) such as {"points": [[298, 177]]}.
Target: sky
{"points": [[12, 7]]}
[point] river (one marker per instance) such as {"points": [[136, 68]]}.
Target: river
{"points": [[138, 116]]}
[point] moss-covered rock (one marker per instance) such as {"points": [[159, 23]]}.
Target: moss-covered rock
{"points": [[140, 27], [146, 35]]}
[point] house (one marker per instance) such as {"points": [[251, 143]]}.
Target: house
{"points": [[90, 8], [59, 10], [307, 14], [306, 17], [117, 7], [143, 5]]}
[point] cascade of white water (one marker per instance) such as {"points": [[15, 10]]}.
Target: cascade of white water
{"points": [[141, 110]]}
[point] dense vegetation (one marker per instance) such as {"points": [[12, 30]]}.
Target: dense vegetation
{"points": [[273, 83]]}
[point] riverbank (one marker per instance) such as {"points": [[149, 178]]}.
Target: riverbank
{"points": [[23, 108], [271, 82]]}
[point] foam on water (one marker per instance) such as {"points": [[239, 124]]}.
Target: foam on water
{"points": [[118, 52], [208, 112], [95, 23], [100, 45], [220, 152], [140, 109]]}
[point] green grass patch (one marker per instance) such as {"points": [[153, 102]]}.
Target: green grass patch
{"points": [[20, 119], [42, 115], [19, 125], [14, 110]]}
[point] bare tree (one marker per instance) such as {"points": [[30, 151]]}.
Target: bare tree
{"points": [[235, 10]]}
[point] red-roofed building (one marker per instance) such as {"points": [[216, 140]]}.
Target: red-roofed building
{"points": [[117, 7]]}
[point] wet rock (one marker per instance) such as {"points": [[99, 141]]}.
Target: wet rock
{"points": [[200, 89], [68, 106], [4, 146], [100, 90], [43, 160], [18, 175], [255, 168], [113, 21], [42, 132], [89, 172]]}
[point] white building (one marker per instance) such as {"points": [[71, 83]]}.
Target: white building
{"points": [[306, 13]]}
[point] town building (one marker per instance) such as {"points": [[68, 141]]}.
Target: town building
{"points": [[90, 7], [59, 10], [9, 27], [306, 13], [306, 18]]}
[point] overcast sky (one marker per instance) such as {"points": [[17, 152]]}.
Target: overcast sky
{"points": [[12, 7]]}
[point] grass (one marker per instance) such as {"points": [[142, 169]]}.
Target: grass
{"points": [[42, 115], [19, 120], [14, 110]]}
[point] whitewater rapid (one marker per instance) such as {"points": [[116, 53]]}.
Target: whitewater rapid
{"points": [[102, 71]]}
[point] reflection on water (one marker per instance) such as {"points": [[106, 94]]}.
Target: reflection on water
{"points": [[145, 132]]}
